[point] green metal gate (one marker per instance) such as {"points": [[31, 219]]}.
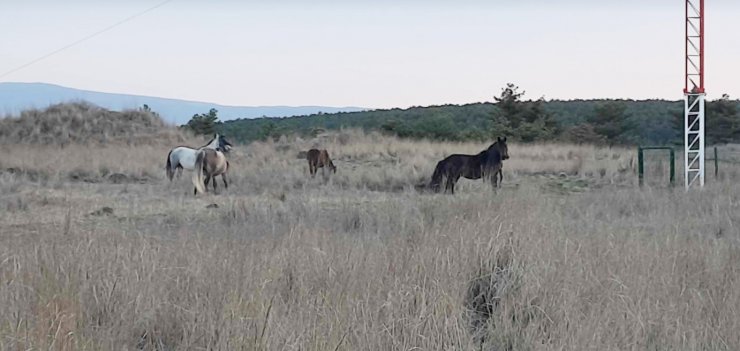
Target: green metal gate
{"points": [[641, 162]]}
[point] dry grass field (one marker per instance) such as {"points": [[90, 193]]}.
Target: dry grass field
{"points": [[98, 251]]}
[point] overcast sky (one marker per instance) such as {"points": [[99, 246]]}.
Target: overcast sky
{"points": [[376, 54]]}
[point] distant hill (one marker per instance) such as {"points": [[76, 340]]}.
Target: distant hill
{"points": [[16, 97]]}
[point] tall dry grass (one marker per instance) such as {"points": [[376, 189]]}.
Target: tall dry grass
{"points": [[361, 260], [370, 161], [83, 123]]}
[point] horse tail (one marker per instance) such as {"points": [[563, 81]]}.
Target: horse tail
{"points": [[437, 176], [198, 172], [168, 167]]}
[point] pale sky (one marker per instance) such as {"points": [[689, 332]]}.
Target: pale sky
{"points": [[376, 54]]}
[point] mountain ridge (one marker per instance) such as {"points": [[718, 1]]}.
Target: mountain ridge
{"points": [[17, 96]]}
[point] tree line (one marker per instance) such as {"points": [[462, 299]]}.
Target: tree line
{"points": [[608, 122]]}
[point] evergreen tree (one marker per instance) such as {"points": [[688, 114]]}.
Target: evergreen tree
{"points": [[722, 121], [612, 121], [526, 121], [204, 124], [509, 107], [584, 134], [269, 130]]}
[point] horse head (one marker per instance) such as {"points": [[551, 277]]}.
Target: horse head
{"points": [[501, 147], [326, 160], [223, 144], [213, 143]]}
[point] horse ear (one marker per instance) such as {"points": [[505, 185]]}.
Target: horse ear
{"points": [[498, 139], [504, 139]]}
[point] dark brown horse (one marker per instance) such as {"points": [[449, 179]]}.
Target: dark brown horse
{"points": [[319, 159], [486, 164], [210, 163]]}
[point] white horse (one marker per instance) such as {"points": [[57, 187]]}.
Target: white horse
{"points": [[184, 157]]}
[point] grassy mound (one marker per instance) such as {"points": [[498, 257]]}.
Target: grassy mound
{"points": [[84, 123]]}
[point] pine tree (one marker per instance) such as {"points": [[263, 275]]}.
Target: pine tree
{"points": [[612, 121], [526, 121], [722, 121], [203, 124]]}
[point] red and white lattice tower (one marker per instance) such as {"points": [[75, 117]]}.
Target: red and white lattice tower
{"points": [[694, 95]]}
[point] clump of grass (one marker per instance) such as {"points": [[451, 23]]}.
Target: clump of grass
{"points": [[495, 279]]}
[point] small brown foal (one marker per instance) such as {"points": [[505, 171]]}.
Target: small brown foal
{"points": [[318, 159]]}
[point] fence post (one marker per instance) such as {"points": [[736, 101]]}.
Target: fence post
{"points": [[716, 164], [673, 166], [640, 169]]}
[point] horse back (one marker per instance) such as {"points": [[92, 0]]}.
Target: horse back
{"points": [[468, 166], [461, 161], [214, 161]]}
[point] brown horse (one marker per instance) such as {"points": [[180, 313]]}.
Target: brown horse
{"points": [[318, 159], [210, 163], [486, 164]]}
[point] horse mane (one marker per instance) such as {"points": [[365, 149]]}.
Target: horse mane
{"points": [[210, 141]]}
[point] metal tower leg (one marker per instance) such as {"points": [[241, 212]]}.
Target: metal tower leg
{"points": [[694, 140], [694, 94]]}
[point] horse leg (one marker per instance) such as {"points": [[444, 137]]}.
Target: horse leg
{"points": [[215, 182], [450, 185], [208, 179], [454, 181], [500, 176], [178, 171], [494, 180], [223, 177]]}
